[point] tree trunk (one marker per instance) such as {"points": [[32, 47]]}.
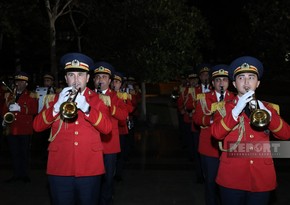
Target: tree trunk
{"points": [[53, 60]]}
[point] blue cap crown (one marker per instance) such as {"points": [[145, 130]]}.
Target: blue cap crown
{"points": [[118, 76], [76, 62], [203, 68], [220, 70], [192, 75], [103, 67], [49, 76], [246, 64], [21, 76]]}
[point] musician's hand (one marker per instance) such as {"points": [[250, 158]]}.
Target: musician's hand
{"points": [[82, 103], [14, 107], [243, 100], [262, 107], [63, 96]]}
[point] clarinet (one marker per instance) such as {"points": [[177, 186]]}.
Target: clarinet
{"points": [[222, 93], [99, 90]]}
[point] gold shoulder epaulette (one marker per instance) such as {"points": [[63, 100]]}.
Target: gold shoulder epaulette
{"points": [[48, 98], [106, 99], [33, 95], [58, 90], [124, 95], [217, 106], [200, 96], [275, 107], [191, 89], [181, 89]]}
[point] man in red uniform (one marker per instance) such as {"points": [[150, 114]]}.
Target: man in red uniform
{"points": [[75, 161], [43, 92], [186, 106], [207, 104], [204, 77], [22, 105], [246, 179], [123, 124], [133, 88], [118, 111]]}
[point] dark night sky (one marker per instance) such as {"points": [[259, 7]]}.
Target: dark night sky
{"points": [[222, 16]]}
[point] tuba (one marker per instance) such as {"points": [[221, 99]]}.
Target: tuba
{"points": [[259, 118], [68, 109], [9, 117]]}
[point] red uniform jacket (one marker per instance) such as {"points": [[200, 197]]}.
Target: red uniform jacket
{"points": [[246, 173], [118, 112], [186, 104], [136, 98], [127, 99], [77, 149], [22, 125], [205, 108]]}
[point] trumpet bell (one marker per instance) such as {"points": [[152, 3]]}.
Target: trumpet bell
{"points": [[260, 118], [9, 117], [68, 110]]}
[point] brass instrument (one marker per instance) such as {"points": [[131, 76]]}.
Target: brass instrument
{"points": [[68, 109], [259, 118], [9, 117], [222, 93], [99, 90]]}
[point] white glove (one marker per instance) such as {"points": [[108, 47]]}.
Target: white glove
{"points": [[262, 107], [82, 104], [14, 107], [63, 96], [243, 100], [206, 90], [130, 87]]}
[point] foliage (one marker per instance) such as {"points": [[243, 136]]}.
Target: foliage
{"points": [[21, 28], [270, 32], [154, 40]]}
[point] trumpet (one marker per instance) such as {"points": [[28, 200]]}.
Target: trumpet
{"points": [[9, 117], [259, 118], [68, 109]]}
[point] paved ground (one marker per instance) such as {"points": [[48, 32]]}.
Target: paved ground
{"points": [[153, 175], [157, 173]]}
